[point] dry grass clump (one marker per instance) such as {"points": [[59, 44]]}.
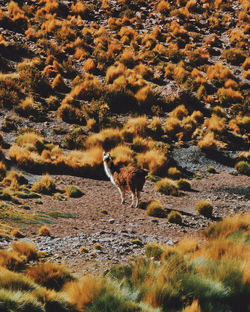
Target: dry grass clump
{"points": [[31, 141], [153, 250], [166, 186], [44, 230], [46, 185], [204, 208], [2, 169], [107, 138], [155, 209], [209, 143], [16, 233], [12, 260], [122, 155], [136, 126], [153, 160], [174, 173], [28, 250], [174, 217], [73, 191], [183, 184], [70, 114], [14, 179], [50, 275], [243, 167]]}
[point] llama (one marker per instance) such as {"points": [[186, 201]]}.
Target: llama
{"points": [[125, 179]]}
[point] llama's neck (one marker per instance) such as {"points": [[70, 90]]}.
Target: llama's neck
{"points": [[108, 172]]}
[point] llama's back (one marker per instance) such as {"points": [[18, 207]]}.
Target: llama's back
{"points": [[132, 177]]}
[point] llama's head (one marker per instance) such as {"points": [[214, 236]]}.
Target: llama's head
{"points": [[107, 158]]}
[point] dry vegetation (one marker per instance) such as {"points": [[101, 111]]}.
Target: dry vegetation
{"points": [[135, 78]]}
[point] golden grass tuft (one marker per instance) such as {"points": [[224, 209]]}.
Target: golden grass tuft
{"points": [[175, 217], [136, 126], [194, 307], [50, 275], [83, 292], [114, 72], [204, 208], [16, 233], [44, 230], [89, 65], [106, 138], [12, 260], [25, 249], [153, 160], [166, 186], [155, 209], [122, 155], [46, 185]]}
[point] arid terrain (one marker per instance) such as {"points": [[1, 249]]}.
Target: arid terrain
{"points": [[162, 86]]}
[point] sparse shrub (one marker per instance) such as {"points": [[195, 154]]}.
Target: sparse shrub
{"points": [[44, 230], [243, 167], [208, 143], [73, 191], [83, 249], [154, 209], [153, 250], [97, 246], [166, 186], [10, 92], [50, 275], [122, 155], [136, 126], [71, 114], [46, 185], [194, 307], [174, 217], [204, 208], [58, 84], [16, 233], [211, 169], [234, 56], [153, 160], [12, 260], [174, 173], [89, 65], [25, 249], [107, 138], [183, 184]]}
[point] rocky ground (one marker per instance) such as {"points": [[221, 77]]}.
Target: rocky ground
{"points": [[123, 232]]}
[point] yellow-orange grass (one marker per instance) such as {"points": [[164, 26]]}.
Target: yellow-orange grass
{"points": [[25, 249], [16, 233], [141, 144], [58, 82], [219, 71], [114, 72], [209, 143], [215, 123], [80, 53], [85, 291], [198, 76], [22, 156], [174, 173], [2, 169], [11, 260], [122, 154], [229, 94], [145, 96], [222, 249], [179, 112], [12, 179], [106, 136], [89, 65], [172, 126], [155, 124], [163, 6], [188, 245], [154, 160], [44, 230], [246, 74], [137, 126], [91, 157], [90, 87], [230, 225], [31, 138], [144, 70], [79, 8], [194, 307], [230, 83], [197, 116], [246, 64], [14, 9]]}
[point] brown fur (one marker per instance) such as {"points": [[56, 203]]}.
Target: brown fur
{"points": [[126, 179]]}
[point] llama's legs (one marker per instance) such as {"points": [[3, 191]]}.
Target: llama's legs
{"points": [[137, 198], [132, 197], [122, 193]]}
